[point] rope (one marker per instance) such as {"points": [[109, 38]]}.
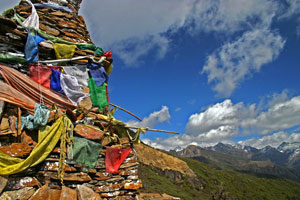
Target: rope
{"points": [[66, 141], [39, 76]]}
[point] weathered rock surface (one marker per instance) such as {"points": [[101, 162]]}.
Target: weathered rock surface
{"points": [[89, 132], [3, 182], [68, 194], [41, 193], [24, 193], [148, 156], [85, 193], [19, 150]]}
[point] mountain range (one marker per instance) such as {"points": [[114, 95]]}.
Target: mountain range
{"points": [[210, 174], [283, 161]]}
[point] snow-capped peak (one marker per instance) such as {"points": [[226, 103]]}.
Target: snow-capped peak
{"points": [[178, 148], [288, 147]]}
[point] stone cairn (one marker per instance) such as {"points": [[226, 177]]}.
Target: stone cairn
{"points": [[42, 181]]}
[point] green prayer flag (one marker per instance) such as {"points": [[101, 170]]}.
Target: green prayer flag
{"points": [[86, 152], [98, 94]]}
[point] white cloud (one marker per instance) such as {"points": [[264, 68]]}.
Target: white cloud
{"points": [[140, 47], [278, 98], [235, 61], [230, 16], [293, 8], [153, 119], [223, 114], [132, 28], [136, 27], [280, 116], [224, 121], [273, 140]]}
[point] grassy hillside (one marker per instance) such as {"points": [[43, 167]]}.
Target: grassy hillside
{"points": [[227, 184]]}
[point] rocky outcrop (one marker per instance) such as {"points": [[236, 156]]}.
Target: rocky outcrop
{"points": [[152, 157], [167, 165]]}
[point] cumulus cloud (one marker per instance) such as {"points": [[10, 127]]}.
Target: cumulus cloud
{"points": [[273, 140], [124, 28], [133, 28], [224, 121], [153, 119], [280, 116], [235, 61], [220, 115]]}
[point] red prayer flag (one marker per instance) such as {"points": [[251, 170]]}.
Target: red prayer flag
{"points": [[40, 74], [114, 158]]}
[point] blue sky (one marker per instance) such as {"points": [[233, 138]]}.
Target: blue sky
{"points": [[212, 70]]}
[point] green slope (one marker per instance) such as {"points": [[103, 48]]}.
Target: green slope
{"points": [[227, 184]]}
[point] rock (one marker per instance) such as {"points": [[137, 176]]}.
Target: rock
{"points": [[27, 139], [44, 19], [128, 172], [13, 36], [90, 52], [17, 194], [110, 194], [8, 22], [28, 194], [129, 164], [61, 14], [23, 8], [124, 140], [54, 114], [54, 194], [66, 24], [4, 124], [84, 33], [3, 182], [109, 188], [68, 194], [80, 52], [21, 182], [49, 30], [85, 193], [67, 38], [78, 177], [46, 44], [24, 14], [74, 35], [133, 185], [88, 131], [41, 193], [19, 150], [86, 104], [53, 166], [5, 29], [20, 33]]}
